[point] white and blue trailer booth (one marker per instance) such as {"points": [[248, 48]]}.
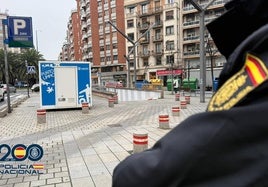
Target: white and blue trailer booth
{"points": [[64, 84]]}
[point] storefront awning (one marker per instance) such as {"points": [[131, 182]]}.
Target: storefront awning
{"points": [[168, 72]]}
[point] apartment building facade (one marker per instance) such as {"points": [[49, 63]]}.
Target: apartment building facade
{"points": [[165, 34], [102, 44], [191, 36], [171, 47], [155, 25]]}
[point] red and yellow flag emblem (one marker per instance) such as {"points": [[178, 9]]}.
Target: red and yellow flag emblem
{"points": [[38, 166], [255, 70], [20, 152]]}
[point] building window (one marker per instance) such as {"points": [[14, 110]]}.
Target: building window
{"points": [[169, 15], [145, 50], [170, 59], [131, 63], [144, 9], [114, 46], [145, 63], [131, 10], [158, 48], [130, 23], [129, 49], [107, 47], [170, 1], [169, 30], [106, 13], [158, 34], [158, 60], [131, 36], [115, 57], [170, 45]]}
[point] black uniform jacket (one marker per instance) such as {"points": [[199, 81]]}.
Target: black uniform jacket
{"points": [[226, 146], [212, 149]]}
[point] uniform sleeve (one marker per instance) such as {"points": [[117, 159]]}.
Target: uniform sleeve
{"points": [[169, 160]]}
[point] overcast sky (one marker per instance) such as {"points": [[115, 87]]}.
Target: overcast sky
{"points": [[50, 18]]}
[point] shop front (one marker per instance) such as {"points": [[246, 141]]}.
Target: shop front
{"points": [[168, 74]]}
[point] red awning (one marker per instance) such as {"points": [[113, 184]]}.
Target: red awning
{"points": [[168, 72]]}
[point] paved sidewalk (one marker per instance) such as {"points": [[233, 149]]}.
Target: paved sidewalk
{"points": [[83, 149]]}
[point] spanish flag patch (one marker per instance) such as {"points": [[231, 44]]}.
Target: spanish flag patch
{"points": [[253, 73]]}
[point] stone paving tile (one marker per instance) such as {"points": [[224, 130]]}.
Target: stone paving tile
{"points": [[83, 182], [82, 150], [23, 184]]}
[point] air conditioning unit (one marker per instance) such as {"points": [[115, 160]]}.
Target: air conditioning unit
{"points": [[219, 63]]}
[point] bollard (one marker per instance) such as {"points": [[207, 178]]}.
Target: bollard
{"points": [[176, 111], [177, 96], [111, 102], [85, 108], [183, 104], [187, 99], [164, 121], [140, 142], [115, 97], [41, 116]]}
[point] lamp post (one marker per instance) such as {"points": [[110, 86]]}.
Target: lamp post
{"points": [[6, 67], [135, 44], [26, 64], [36, 39], [202, 11], [172, 75]]}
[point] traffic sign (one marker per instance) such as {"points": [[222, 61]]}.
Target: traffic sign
{"points": [[20, 32], [31, 70]]}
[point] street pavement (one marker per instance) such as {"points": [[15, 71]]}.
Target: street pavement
{"points": [[81, 150]]}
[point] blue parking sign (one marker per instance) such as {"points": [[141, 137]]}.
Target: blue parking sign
{"points": [[20, 32]]}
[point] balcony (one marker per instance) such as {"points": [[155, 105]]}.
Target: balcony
{"points": [[158, 23], [157, 53], [191, 23], [144, 40], [143, 26], [158, 38], [190, 38], [144, 54]]}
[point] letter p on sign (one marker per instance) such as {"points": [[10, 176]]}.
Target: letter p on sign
{"points": [[19, 24]]}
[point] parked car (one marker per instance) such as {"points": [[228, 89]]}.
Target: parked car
{"points": [[11, 88], [35, 88], [2, 95]]}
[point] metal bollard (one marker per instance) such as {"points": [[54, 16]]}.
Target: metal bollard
{"points": [[188, 99], [85, 108], [176, 111], [183, 104], [41, 116], [140, 142], [177, 96], [115, 99], [111, 102], [164, 121]]}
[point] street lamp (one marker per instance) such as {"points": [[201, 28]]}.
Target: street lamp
{"points": [[135, 44], [202, 11], [36, 39], [171, 61]]}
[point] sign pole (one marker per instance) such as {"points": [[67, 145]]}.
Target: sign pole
{"points": [[6, 66], [26, 64]]}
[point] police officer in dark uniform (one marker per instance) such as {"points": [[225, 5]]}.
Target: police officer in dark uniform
{"points": [[226, 146]]}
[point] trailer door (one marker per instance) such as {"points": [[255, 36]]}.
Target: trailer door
{"points": [[66, 86]]}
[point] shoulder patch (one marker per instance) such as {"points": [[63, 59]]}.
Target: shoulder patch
{"points": [[252, 74]]}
